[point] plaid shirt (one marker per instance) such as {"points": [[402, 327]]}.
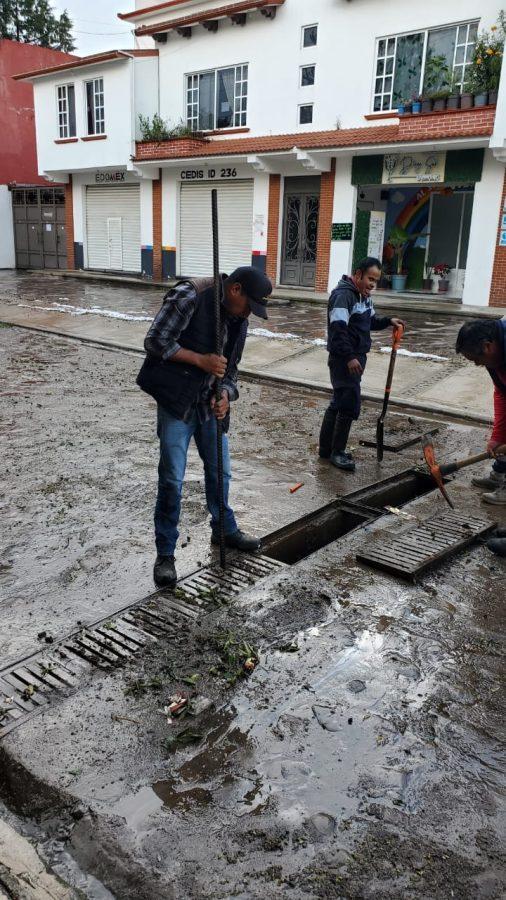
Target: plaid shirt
{"points": [[173, 318]]}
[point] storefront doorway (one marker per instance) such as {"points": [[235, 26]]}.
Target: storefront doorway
{"points": [[436, 220], [300, 229], [39, 227]]}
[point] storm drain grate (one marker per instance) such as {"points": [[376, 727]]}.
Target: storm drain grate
{"points": [[29, 685], [418, 548]]}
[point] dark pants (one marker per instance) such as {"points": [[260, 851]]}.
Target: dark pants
{"points": [[344, 408]]}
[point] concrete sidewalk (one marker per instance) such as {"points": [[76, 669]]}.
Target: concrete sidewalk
{"points": [[406, 302], [441, 387]]}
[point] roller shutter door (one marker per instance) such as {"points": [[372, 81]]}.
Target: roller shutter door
{"points": [[235, 218], [113, 227]]}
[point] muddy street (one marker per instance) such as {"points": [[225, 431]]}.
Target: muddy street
{"points": [[361, 758]]}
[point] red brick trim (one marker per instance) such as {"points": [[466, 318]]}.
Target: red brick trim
{"points": [[157, 229], [497, 295], [197, 18], [94, 137], [371, 117], [406, 117], [69, 224], [328, 180], [66, 140], [271, 265], [439, 126]]}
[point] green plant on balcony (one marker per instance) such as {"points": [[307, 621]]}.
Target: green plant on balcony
{"points": [[157, 129], [484, 72], [437, 77]]}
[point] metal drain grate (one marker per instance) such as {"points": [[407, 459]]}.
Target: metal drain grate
{"points": [[420, 547], [29, 685]]}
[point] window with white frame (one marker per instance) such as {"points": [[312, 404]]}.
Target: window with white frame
{"points": [[66, 106], [306, 114], [95, 111], [309, 35], [217, 99], [307, 75], [402, 62]]}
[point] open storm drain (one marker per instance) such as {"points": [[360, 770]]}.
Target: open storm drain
{"points": [[31, 684]]}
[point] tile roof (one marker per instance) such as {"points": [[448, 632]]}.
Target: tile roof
{"points": [[77, 63], [472, 123], [207, 15]]}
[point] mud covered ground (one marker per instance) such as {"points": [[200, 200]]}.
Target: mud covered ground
{"points": [[362, 757]]}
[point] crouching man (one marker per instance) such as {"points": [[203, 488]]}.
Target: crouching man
{"points": [[351, 318], [483, 342], [179, 372]]}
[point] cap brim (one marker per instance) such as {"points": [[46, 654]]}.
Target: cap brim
{"points": [[258, 309]]}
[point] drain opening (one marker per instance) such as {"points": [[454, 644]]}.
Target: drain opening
{"points": [[300, 539], [314, 531], [395, 491]]}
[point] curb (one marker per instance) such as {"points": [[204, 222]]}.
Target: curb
{"points": [[449, 412]]}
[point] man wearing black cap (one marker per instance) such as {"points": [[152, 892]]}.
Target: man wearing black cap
{"points": [[179, 372]]}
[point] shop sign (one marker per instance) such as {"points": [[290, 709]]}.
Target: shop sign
{"points": [[414, 168], [342, 231], [107, 177], [220, 173], [376, 234]]}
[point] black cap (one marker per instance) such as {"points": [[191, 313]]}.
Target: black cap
{"points": [[255, 285]]}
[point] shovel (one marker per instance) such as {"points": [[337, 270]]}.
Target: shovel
{"points": [[380, 425], [439, 472]]}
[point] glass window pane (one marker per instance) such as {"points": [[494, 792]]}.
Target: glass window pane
{"points": [[391, 47], [469, 52], [386, 102], [473, 31], [71, 110], [388, 85], [377, 104], [90, 113], [310, 36], [307, 78], [305, 114], [380, 67], [459, 54], [379, 85], [224, 98], [408, 67], [206, 101], [381, 48], [439, 62], [462, 34], [389, 67]]}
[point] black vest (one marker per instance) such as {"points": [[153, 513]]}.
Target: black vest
{"points": [[177, 386]]}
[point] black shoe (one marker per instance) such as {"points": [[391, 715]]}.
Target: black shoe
{"points": [[238, 541], [164, 572], [343, 461], [497, 546]]}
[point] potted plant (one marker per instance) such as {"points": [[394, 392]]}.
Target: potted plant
{"points": [[439, 99], [436, 83], [453, 99], [427, 281], [441, 271], [416, 105], [484, 72], [399, 240], [466, 97], [408, 107]]}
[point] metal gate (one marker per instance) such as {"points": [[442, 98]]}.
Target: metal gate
{"points": [[300, 228], [39, 228]]}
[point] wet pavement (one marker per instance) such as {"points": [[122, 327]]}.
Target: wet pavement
{"points": [[361, 759], [426, 333]]}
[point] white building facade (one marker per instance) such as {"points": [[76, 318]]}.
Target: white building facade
{"points": [[294, 109]]}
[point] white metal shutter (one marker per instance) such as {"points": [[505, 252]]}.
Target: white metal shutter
{"points": [[235, 221], [113, 213]]}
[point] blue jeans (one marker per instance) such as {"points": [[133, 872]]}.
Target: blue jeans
{"points": [[499, 465], [175, 436]]}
